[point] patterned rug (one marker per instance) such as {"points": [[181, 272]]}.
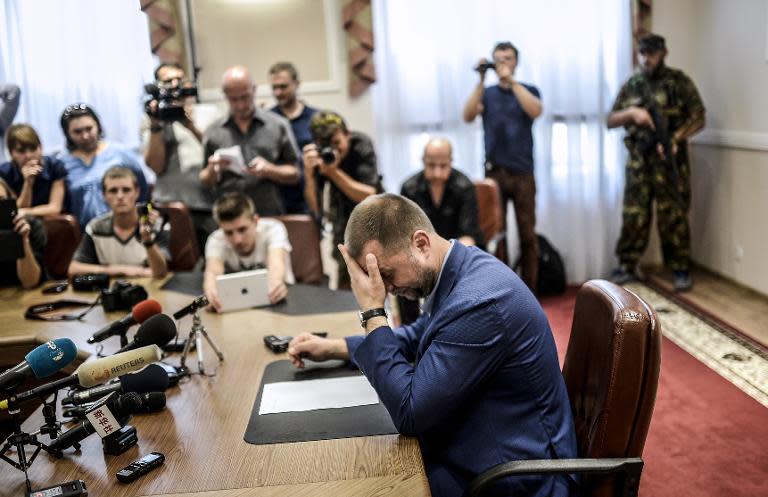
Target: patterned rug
{"points": [[736, 359]]}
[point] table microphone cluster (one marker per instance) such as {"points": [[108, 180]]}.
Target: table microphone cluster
{"points": [[103, 393]]}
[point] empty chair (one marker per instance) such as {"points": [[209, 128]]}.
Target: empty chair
{"points": [[63, 232], [304, 235], [183, 241], [491, 218], [611, 371]]}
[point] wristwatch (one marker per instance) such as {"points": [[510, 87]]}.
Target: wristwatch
{"points": [[371, 313]]}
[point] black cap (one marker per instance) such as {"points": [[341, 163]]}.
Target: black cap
{"points": [[651, 43]]}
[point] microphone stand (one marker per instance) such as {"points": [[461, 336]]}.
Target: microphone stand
{"points": [[19, 439], [198, 333]]}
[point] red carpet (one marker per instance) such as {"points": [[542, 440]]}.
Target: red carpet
{"points": [[707, 437]]}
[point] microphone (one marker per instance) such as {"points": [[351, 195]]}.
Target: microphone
{"points": [[44, 360], [199, 302], [140, 313], [106, 416], [150, 402], [92, 373], [153, 378], [157, 330]]}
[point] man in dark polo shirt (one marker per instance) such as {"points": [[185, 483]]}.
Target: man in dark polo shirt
{"points": [[449, 200], [285, 83], [350, 171], [508, 110], [265, 140]]}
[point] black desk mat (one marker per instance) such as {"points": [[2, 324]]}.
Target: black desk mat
{"points": [[301, 300], [323, 424]]}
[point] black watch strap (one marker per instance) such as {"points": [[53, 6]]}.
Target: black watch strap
{"points": [[371, 313]]}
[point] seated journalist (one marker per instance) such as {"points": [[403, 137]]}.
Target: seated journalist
{"points": [[244, 242], [37, 179], [26, 270], [123, 242], [476, 377]]}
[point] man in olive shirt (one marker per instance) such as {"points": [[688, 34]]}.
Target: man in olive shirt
{"points": [[265, 140]]}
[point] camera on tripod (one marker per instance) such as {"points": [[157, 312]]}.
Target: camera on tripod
{"points": [[122, 296], [170, 99]]}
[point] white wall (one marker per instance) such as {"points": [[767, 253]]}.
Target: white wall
{"points": [[723, 46], [331, 95]]}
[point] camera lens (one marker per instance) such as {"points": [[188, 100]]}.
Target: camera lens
{"points": [[327, 155]]}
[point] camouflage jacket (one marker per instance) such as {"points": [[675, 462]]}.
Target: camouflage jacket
{"points": [[675, 94]]}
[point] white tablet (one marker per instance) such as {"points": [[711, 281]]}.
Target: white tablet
{"points": [[243, 290]]}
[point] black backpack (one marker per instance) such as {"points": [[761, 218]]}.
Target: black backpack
{"points": [[551, 280]]}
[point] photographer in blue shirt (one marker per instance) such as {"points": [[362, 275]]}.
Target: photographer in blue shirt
{"points": [[508, 110]]}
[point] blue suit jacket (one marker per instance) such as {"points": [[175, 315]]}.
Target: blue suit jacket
{"points": [[477, 381]]}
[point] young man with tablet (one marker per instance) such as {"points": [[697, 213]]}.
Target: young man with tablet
{"points": [[245, 242]]}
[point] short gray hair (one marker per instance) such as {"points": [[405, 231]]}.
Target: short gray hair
{"points": [[387, 218]]}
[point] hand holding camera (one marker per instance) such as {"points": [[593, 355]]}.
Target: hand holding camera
{"points": [[148, 217], [483, 65], [166, 101]]}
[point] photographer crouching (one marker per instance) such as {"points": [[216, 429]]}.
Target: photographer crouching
{"points": [[130, 240], [173, 148]]}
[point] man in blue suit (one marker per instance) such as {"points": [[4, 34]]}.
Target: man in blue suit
{"points": [[476, 377]]}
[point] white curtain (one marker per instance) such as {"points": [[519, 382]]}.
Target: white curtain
{"points": [[65, 51], [577, 53]]}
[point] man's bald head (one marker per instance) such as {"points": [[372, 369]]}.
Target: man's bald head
{"points": [[438, 146], [438, 161], [239, 89]]}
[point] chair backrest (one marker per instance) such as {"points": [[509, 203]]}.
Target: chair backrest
{"points": [[611, 371], [304, 235], [183, 241], [489, 207], [63, 232]]}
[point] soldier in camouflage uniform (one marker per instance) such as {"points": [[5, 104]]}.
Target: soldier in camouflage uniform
{"points": [[660, 109]]}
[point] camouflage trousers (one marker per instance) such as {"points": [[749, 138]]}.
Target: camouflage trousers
{"points": [[649, 178]]}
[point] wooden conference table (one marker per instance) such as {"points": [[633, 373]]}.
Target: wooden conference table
{"points": [[201, 430]]}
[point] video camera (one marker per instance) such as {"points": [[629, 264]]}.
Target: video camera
{"points": [[481, 68], [122, 296], [170, 99]]}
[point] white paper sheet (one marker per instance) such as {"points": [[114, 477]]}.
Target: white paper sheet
{"points": [[309, 395], [234, 156]]}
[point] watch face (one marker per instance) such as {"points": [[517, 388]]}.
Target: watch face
{"points": [[362, 319]]}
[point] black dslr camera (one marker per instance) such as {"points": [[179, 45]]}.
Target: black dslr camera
{"points": [[122, 296], [327, 155], [170, 99]]}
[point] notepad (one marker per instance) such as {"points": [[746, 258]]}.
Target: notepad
{"points": [[310, 395], [234, 157]]}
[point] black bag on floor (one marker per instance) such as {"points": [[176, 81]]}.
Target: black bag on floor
{"points": [[551, 279]]}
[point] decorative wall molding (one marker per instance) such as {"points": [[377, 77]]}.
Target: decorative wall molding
{"points": [[732, 139], [335, 59]]}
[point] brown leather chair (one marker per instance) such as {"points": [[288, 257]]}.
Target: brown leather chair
{"points": [[183, 240], [63, 232], [491, 217], [611, 371], [304, 235]]}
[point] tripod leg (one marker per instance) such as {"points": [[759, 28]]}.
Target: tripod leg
{"points": [[213, 346], [183, 363], [199, 345]]}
